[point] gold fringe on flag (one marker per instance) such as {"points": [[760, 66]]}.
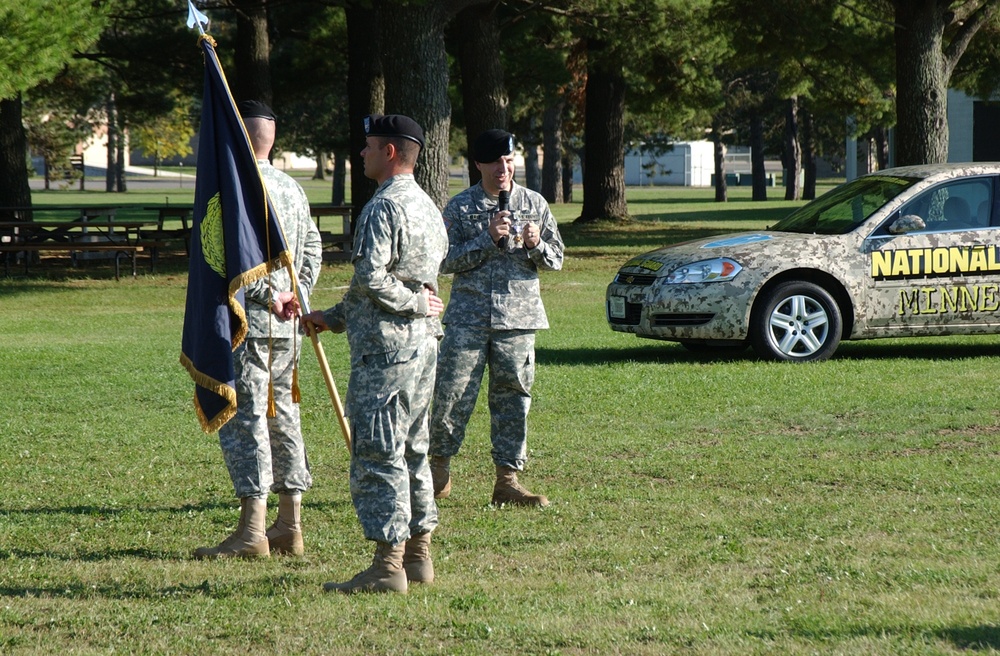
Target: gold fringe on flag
{"points": [[296, 392], [272, 410]]}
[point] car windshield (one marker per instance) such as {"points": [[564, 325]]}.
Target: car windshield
{"points": [[846, 207]]}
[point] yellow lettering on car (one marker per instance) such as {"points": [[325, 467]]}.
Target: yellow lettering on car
{"points": [[642, 263], [953, 299], [934, 262]]}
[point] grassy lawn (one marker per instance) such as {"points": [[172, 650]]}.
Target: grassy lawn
{"points": [[698, 506]]}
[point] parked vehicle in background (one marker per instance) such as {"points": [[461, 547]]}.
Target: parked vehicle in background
{"points": [[903, 252]]}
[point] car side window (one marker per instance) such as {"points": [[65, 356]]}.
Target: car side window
{"points": [[952, 207]]}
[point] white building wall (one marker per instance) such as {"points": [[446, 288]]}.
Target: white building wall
{"points": [[689, 164]]}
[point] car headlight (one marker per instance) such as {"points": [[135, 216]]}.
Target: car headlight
{"points": [[720, 269]]}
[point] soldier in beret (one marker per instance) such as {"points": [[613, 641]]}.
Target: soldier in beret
{"points": [[492, 315], [390, 314], [267, 454]]}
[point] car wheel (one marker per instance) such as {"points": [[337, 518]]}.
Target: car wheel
{"points": [[796, 321]]}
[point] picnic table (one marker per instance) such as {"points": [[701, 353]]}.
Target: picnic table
{"points": [[339, 242], [164, 232], [93, 230]]}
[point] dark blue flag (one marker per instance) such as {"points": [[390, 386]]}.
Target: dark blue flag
{"points": [[236, 239]]}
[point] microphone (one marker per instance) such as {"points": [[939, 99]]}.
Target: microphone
{"points": [[503, 204]]}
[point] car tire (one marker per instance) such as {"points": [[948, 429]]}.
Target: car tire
{"points": [[796, 322]]}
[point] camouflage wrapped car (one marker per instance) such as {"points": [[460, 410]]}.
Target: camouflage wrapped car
{"points": [[903, 252]]}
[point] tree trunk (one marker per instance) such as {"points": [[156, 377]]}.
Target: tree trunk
{"points": [[485, 103], [793, 151], [552, 152], [881, 136], [365, 93], [416, 83], [320, 172], [719, 152], [109, 173], [921, 83], [120, 185], [604, 136], [339, 177], [14, 188], [253, 52], [808, 155], [567, 177], [757, 173], [532, 172]]}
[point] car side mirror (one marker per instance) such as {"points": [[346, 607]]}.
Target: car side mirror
{"points": [[905, 224]]}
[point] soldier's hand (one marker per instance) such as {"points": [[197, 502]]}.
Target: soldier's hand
{"points": [[499, 226], [315, 321], [286, 305], [435, 306], [532, 235]]}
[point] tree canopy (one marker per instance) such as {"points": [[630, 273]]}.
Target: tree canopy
{"points": [[587, 78], [37, 42]]}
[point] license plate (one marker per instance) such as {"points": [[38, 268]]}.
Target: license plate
{"points": [[616, 307]]}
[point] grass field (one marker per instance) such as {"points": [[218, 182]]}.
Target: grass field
{"points": [[698, 506]]}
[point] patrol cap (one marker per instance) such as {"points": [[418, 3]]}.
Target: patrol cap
{"points": [[254, 109], [492, 145], [393, 125]]}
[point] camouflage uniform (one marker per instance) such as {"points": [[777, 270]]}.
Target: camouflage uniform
{"points": [[267, 454], [492, 315], [399, 243]]}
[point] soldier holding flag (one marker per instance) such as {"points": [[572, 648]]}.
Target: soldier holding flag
{"points": [[266, 453]]}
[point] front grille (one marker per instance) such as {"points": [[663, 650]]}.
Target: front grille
{"points": [[681, 319], [633, 312], [634, 279]]}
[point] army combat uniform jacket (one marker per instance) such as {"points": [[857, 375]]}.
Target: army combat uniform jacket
{"points": [[398, 247], [303, 240], [268, 455], [498, 287]]}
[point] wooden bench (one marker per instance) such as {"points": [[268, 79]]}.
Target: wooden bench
{"points": [[162, 234], [336, 245], [118, 249]]}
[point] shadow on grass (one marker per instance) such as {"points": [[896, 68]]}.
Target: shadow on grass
{"points": [[49, 274], [974, 638], [669, 352], [228, 506], [92, 556], [76, 590], [204, 506], [977, 638], [666, 354], [264, 587]]}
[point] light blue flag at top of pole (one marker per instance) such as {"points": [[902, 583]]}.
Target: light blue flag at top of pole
{"points": [[195, 17]]}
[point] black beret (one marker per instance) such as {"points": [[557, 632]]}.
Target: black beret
{"points": [[394, 125], [492, 145], [254, 109]]}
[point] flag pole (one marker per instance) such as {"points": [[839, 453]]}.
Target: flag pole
{"points": [[331, 386], [196, 18], [324, 367]]}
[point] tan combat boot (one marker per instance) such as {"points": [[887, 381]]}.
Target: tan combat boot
{"points": [[417, 559], [248, 540], [441, 473], [508, 490], [385, 574], [285, 534]]}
